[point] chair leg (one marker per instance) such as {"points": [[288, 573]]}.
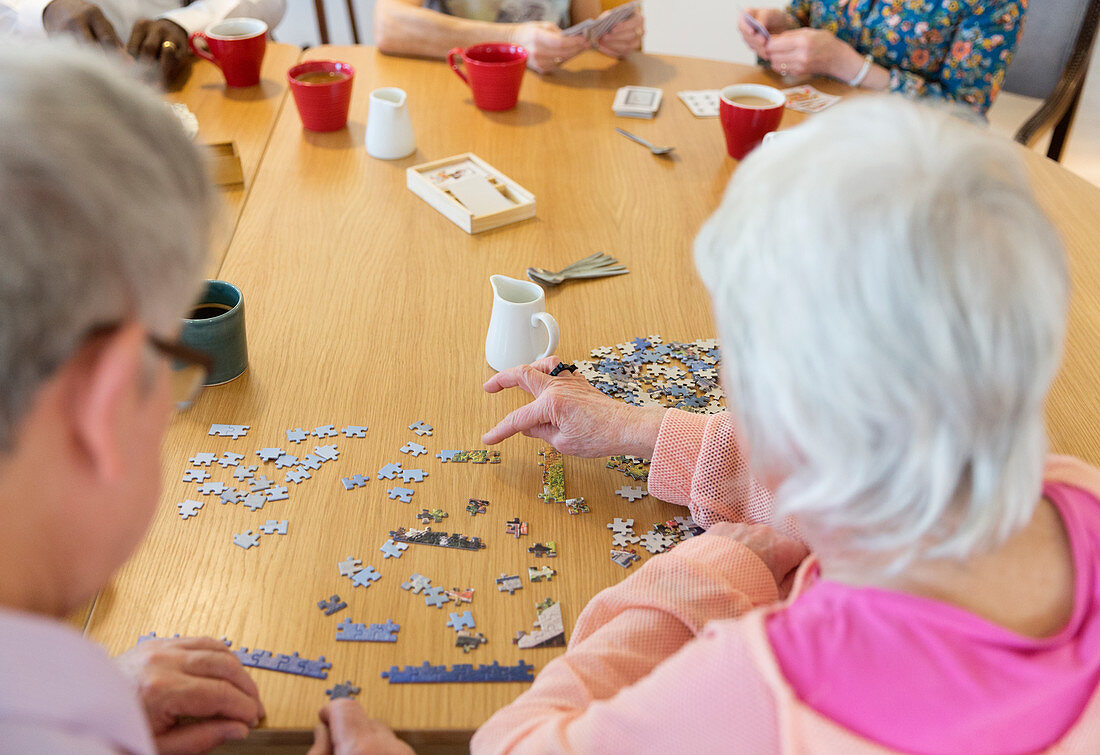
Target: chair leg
{"points": [[322, 23], [1061, 130], [351, 18]]}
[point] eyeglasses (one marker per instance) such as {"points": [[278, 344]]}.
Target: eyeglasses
{"points": [[190, 367]]}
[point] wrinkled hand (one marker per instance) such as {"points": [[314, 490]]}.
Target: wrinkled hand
{"points": [[194, 678], [81, 19], [147, 46], [345, 729], [623, 38], [775, 21], [806, 52], [780, 554], [546, 47], [572, 415]]}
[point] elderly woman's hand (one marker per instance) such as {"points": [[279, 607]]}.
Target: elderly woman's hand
{"points": [[572, 416], [547, 48], [780, 553], [624, 37]]}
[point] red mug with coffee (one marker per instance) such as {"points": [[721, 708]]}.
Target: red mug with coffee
{"points": [[494, 73], [235, 45], [322, 92], [747, 113]]}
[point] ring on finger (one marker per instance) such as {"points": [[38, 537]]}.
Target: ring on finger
{"points": [[783, 68], [558, 61], [169, 45]]}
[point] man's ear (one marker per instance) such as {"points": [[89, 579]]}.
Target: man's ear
{"points": [[107, 377]]}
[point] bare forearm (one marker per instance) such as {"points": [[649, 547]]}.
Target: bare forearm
{"points": [[403, 29]]}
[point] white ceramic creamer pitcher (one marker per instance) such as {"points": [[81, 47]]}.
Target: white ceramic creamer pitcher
{"points": [[515, 336], [389, 127]]}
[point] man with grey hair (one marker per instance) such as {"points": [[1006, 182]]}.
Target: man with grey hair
{"points": [[104, 217], [891, 302]]}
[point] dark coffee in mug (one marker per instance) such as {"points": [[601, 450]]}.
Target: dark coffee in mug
{"points": [[209, 309]]}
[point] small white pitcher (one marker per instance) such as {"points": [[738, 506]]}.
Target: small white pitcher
{"points": [[389, 127], [514, 337]]}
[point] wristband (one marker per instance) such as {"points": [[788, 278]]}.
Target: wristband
{"points": [[868, 61]]}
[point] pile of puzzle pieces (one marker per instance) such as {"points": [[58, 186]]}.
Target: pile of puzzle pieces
{"points": [[642, 372]]}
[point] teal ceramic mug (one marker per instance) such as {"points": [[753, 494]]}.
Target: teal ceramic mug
{"points": [[216, 327]]}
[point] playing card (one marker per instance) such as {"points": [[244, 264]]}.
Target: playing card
{"points": [[806, 99], [703, 103], [594, 28], [757, 26], [479, 196], [637, 102], [578, 30]]}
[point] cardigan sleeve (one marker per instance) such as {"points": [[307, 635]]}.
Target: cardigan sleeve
{"points": [[634, 652]]}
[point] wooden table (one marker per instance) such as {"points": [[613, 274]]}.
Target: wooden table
{"points": [[365, 306], [244, 116]]}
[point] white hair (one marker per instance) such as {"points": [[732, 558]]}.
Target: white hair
{"points": [[891, 303], [105, 211]]}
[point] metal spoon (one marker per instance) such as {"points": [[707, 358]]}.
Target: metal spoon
{"points": [[644, 143], [594, 266]]}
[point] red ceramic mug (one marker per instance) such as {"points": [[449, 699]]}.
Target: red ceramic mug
{"points": [[494, 73], [235, 45], [747, 113], [322, 92]]}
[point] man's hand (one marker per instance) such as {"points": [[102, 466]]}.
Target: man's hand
{"points": [[192, 678], [161, 45], [623, 38], [82, 19], [546, 47], [571, 415], [345, 729]]}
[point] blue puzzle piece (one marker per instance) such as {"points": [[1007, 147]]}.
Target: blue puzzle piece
{"points": [[324, 431], [212, 488], [312, 461], [298, 475], [355, 431], [347, 689], [436, 597], [365, 577], [460, 672], [355, 481], [412, 475], [460, 621], [413, 449], [244, 473], [274, 526], [246, 539], [390, 471], [327, 452], [286, 460], [260, 484], [332, 605], [229, 431], [390, 549], [297, 435], [448, 455], [190, 508], [254, 501], [401, 494], [276, 493], [270, 454], [203, 459], [287, 664], [420, 427], [230, 495], [230, 459], [350, 631], [195, 475]]}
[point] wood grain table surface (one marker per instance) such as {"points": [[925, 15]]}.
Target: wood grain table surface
{"points": [[245, 116], [365, 306]]}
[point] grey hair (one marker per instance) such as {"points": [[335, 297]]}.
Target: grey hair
{"points": [[105, 212], [891, 303]]}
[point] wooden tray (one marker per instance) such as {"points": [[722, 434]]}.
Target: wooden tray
{"points": [[428, 182]]}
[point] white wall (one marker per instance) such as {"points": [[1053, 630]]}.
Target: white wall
{"points": [[708, 29]]}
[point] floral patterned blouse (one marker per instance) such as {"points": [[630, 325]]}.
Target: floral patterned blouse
{"points": [[950, 49]]}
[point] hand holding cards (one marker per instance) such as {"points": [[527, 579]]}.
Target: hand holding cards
{"points": [[756, 26], [594, 28]]}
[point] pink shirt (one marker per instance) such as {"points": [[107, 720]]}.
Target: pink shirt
{"points": [[676, 657], [60, 693], [924, 676]]}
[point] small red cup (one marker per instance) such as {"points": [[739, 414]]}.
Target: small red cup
{"points": [[494, 73], [235, 45], [747, 113], [323, 103]]}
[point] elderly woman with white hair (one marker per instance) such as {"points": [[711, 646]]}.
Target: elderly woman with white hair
{"points": [[891, 303]]}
